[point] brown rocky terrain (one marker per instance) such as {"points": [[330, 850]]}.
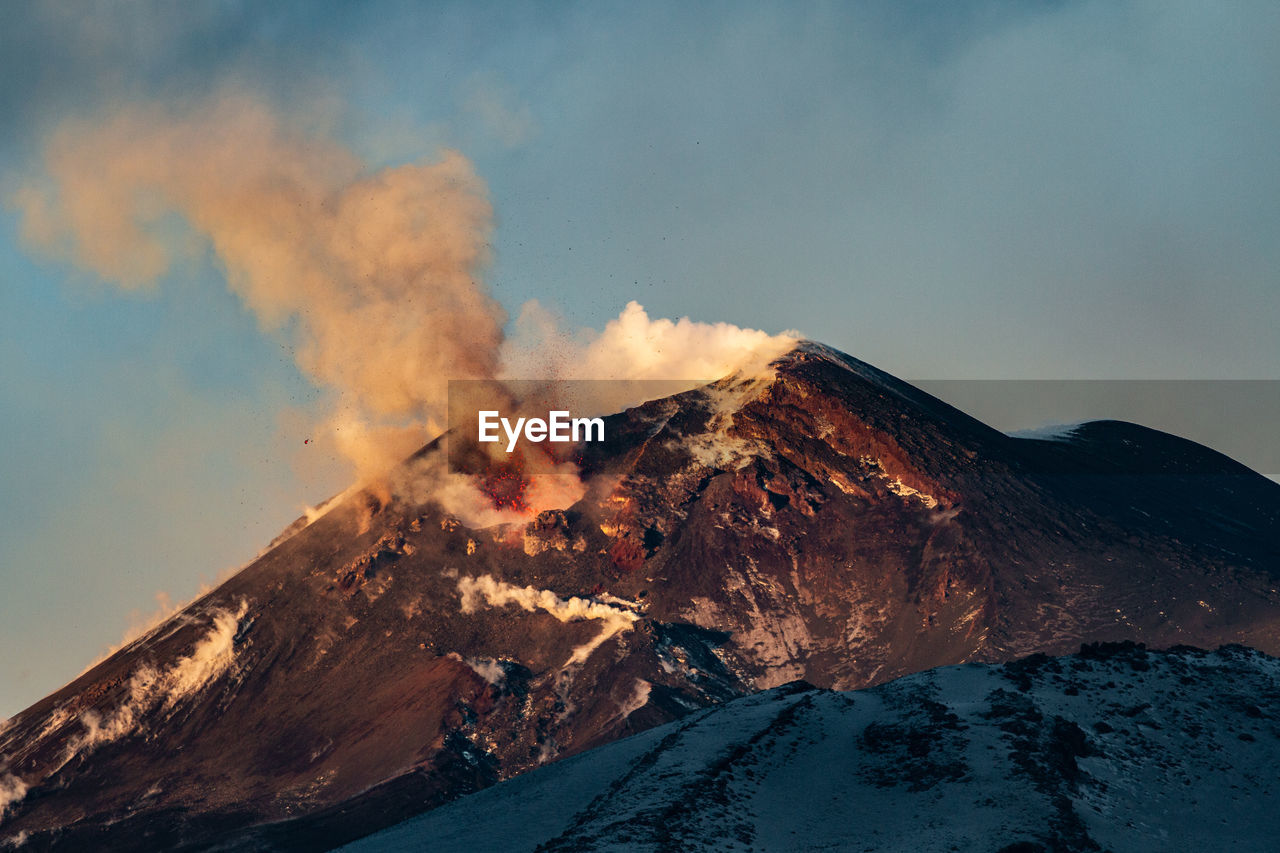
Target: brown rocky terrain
{"points": [[831, 524]]}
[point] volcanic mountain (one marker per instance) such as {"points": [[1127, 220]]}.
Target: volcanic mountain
{"points": [[824, 521]]}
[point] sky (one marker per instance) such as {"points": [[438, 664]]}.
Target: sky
{"points": [[970, 190]]}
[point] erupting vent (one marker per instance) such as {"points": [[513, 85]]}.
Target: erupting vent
{"points": [[506, 486]]}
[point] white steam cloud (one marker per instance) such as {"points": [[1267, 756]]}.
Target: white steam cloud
{"points": [[632, 349], [149, 690], [487, 668], [485, 589], [152, 690], [635, 346], [12, 790], [637, 699]]}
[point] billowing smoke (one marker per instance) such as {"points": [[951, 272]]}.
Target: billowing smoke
{"points": [[637, 699], [485, 589], [12, 790], [376, 271], [429, 479], [635, 346], [153, 690], [684, 354], [149, 691], [634, 350]]}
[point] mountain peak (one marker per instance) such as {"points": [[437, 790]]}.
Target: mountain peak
{"points": [[829, 523]]}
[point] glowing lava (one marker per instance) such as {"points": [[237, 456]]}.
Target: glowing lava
{"points": [[506, 487]]}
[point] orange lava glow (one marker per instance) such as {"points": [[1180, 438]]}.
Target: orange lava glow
{"points": [[506, 487]]}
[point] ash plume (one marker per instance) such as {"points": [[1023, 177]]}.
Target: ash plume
{"points": [[375, 273], [378, 272]]}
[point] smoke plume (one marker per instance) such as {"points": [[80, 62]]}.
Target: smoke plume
{"points": [[634, 346], [485, 589], [152, 690], [376, 271], [637, 699], [12, 790]]}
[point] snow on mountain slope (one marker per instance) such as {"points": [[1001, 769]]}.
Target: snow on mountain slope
{"points": [[1049, 432], [1115, 748], [830, 523]]}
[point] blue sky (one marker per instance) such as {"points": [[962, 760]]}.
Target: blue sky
{"points": [[968, 190]]}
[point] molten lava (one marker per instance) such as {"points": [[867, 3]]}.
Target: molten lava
{"points": [[507, 487]]}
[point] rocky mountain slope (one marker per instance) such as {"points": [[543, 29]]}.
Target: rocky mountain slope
{"points": [[1115, 748], [827, 523]]}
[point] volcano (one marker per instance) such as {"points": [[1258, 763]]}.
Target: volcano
{"points": [[824, 522]]}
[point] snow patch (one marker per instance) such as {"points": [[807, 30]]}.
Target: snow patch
{"points": [[727, 396], [875, 468], [60, 717], [775, 636], [839, 481], [726, 452], [1118, 749], [715, 447], [1049, 432]]}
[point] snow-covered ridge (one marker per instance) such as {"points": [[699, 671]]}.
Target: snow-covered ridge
{"points": [[1116, 748], [1050, 432]]}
